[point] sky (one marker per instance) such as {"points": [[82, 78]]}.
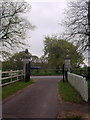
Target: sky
{"points": [[46, 16]]}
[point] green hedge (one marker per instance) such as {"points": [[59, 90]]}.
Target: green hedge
{"points": [[46, 72]]}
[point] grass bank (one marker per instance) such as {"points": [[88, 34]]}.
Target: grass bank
{"points": [[89, 90], [73, 118], [14, 87], [68, 93]]}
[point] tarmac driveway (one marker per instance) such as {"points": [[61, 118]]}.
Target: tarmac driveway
{"points": [[36, 101]]}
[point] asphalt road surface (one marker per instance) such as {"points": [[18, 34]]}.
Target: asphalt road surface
{"points": [[36, 101]]}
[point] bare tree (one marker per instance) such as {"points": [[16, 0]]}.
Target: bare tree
{"points": [[76, 23], [13, 24]]}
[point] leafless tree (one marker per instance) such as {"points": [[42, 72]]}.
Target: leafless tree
{"points": [[13, 24], [76, 23]]}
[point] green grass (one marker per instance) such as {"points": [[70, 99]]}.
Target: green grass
{"points": [[89, 90], [73, 118], [68, 93], [14, 87], [45, 72]]}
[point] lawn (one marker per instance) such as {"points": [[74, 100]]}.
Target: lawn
{"points": [[89, 90], [68, 93], [45, 72], [73, 118], [14, 87]]}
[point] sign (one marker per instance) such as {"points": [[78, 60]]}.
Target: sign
{"points": [[67, 63]]}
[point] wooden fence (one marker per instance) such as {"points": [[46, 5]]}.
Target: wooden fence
{"points": [[8, 77], [80, 84]]}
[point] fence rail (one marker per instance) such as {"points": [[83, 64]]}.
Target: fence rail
{"points": [[8, 77]]}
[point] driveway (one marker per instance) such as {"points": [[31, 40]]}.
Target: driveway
{"points": [[36, 101]]}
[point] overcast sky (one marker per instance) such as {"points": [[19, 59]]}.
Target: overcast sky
{"points": [[46, 16]]}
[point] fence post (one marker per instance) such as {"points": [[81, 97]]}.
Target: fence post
{"points": [[11, 75], [66, 75], [17, 74]]}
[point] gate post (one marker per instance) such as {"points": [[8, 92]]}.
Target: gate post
{"points": [[63, 72], [26, 66]]}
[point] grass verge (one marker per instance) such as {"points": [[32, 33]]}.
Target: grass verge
{"points": [[73, 118], [89, 90], [14, 87], [68, 93]]}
